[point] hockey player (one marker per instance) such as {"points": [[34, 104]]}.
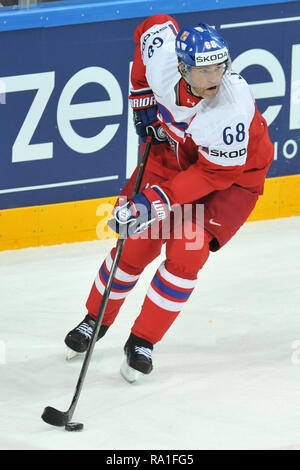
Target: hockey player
{"points": [[211, 147]]}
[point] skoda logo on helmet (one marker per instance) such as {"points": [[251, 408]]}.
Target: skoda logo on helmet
{"points": [[208, 58], [201, 46]]}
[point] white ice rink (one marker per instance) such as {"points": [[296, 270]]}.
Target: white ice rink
{"points": [[226, 375]]}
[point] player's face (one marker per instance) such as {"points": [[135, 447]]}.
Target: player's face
{"points": [[205, 81]]}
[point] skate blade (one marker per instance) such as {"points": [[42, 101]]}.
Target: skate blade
{"points": [[128, 373], [70, 354]]}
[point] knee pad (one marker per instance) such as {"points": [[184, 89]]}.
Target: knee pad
{"points": [[184, 262]]}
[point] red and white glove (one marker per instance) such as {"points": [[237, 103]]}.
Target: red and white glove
{"points": [[140, 212]]}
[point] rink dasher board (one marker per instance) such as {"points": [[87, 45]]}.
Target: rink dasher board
{"points": [[61, 159]]}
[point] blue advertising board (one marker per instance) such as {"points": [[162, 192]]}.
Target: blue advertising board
{"points": [[65, 125]]}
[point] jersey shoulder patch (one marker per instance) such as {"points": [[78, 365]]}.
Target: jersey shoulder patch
{"points": [[155, 37], [160, 60]]}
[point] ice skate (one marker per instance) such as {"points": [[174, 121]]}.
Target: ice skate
{"points": [[138, 359], [77, 340]]}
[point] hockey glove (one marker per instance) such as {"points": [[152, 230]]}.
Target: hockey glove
{"points": [[140, 212], [144, 108]]}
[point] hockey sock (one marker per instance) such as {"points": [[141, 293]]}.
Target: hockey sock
{"points": [[124, 281], [165, 298]]}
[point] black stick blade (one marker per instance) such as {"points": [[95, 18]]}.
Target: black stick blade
{"points": [[55, 417]]}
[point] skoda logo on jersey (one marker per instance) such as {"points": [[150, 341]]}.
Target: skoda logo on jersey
{"points": [[226, 154], [210, 58]]}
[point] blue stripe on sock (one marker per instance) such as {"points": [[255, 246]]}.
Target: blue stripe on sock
{"points": [[169, 291], [116, 285]]}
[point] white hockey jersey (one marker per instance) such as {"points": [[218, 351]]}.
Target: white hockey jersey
{"points": [[208, 136]]}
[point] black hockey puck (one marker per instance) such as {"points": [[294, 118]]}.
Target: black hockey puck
{"points": [[74, 427]]}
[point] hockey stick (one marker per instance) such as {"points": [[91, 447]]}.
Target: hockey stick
{"points": [[62, 418]]}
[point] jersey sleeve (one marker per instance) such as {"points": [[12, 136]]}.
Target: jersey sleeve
{"points": [[138, 71]]}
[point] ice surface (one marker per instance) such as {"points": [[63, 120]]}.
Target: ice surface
{"points": [[226, 375]]}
